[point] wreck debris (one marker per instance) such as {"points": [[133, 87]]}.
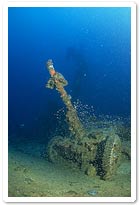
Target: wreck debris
{"points": [[58, 82], [97, 152]]}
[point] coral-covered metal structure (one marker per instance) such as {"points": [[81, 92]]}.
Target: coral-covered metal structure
{"points": [[97, 152], [58, 82]]}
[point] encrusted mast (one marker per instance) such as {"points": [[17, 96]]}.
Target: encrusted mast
{"points": [[58, 82]]}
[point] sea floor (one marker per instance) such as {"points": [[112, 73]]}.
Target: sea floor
{"points": [[30, 175]]}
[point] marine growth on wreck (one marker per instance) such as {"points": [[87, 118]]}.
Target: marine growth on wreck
{"points": [[97, 152]]}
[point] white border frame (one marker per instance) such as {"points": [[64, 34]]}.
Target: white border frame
{"points": [[5, 100]]}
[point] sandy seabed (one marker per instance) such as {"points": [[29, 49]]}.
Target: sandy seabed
{"points": [[32, 176]]}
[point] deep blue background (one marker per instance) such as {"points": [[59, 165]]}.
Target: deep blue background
{"points": [[89, 46]]}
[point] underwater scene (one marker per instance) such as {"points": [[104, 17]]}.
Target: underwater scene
{"points": [[69, 102]]}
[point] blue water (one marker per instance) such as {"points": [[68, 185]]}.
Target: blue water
{"points": [[89, 46]]}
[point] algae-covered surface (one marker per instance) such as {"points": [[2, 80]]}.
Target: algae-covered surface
{"points": [[33, 176]]}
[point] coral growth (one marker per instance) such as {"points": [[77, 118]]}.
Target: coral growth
{"points": [[58, 82], [97, 152]]}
